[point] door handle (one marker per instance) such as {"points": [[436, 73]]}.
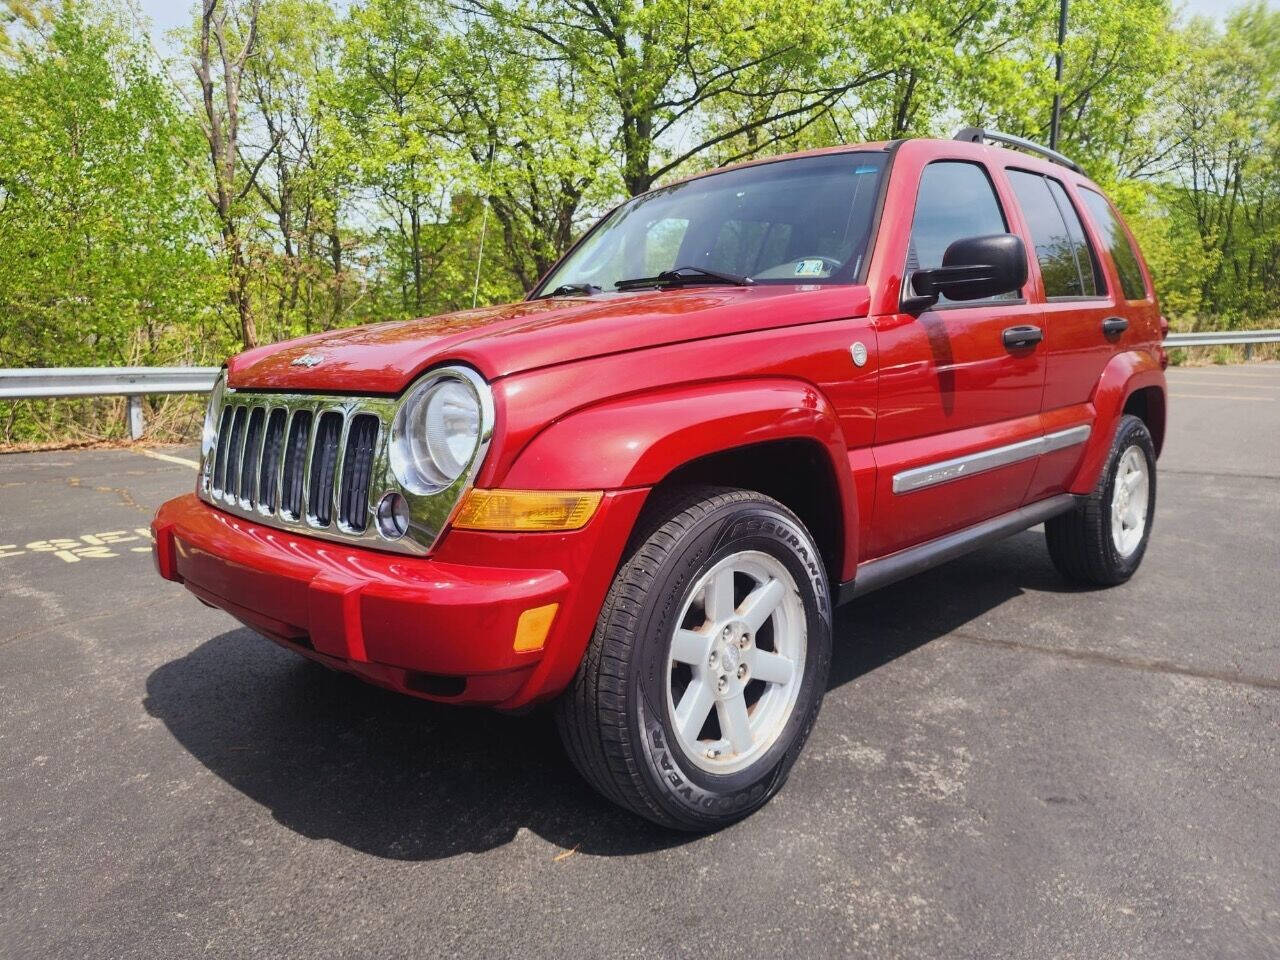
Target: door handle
{"points": [[1019, 338], [1114, 326]]}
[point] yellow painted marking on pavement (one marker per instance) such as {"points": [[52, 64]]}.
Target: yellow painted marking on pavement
{"points": [[88, 546], [167, 458], [1216, 396]]}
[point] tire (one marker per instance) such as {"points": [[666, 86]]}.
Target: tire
{"points": [[625, 720], [1083, 543]]}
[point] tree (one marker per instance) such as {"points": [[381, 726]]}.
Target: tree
{"points": [[227, 37]]}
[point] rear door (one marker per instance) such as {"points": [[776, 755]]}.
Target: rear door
{"points": [[1096, 301], [958, 431], [1077, 305]]}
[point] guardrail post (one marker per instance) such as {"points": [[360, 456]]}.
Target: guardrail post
{"points": [[136, 422]]}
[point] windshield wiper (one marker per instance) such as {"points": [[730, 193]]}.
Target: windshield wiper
{"points": [[567, 289], [680, 275]]}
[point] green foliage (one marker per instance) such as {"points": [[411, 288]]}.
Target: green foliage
{"points": [[346, 162], [101, 256]]}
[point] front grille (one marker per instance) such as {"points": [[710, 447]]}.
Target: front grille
{"points": [[283, 462], [319, 464]]}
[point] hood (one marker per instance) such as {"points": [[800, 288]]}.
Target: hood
{"points": [[498, 341]]}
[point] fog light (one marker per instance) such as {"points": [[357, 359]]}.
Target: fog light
{"points": [[393, 516]]}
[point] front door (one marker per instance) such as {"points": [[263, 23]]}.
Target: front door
{"points": [[957, 437]]}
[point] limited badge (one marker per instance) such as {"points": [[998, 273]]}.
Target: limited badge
{"points": [[859, 352]]}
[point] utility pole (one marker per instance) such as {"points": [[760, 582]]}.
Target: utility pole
{"points": [[1057, 76]]}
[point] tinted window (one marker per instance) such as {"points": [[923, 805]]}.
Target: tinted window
{"points": [[1087, 258], [1066, 262], [806, 220], [956, 200], [1115, 240]]}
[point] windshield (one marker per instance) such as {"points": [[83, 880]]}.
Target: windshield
{"points": [[805, 220]]}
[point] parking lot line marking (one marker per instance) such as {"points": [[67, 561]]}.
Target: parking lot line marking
{"points": [[167, 458], [1216, 396]]}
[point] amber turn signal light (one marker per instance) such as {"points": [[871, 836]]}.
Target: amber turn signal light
{"points": [[517, 510], [531, 630]]}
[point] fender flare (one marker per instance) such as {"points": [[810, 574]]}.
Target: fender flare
{"points": [[640, 439], [1124, 374]]}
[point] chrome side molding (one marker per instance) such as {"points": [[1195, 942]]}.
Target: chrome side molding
{"points": [[931, 474]]}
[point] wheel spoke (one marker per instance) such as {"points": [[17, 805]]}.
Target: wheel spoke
{"points": [[772, 667], [690, 647], [692, 711], [718, 598], [1132, 480], [761, 603], [735, 723]]}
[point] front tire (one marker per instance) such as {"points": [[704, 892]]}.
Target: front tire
{"points": [[708, 664], [1102, 541]]}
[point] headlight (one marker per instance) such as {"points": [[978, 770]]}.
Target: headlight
{"points": [[209, 435], [439, 429]]}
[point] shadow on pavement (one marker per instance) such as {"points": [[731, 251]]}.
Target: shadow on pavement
{"points": [[388, 775]]}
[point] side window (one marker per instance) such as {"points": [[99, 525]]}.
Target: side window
{"points": [[1116, 241], [1091, 277], [1066, 261], [956, 200]]}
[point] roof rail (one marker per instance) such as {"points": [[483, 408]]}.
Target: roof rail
{"points": [[979, 135]]}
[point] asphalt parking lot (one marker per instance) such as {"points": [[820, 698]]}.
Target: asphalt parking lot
{"points": [[1004, 767]]}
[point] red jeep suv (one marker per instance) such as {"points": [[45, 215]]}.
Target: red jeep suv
{"points": [[738, 401]]}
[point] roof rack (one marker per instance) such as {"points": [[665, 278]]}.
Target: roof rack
{"points": [[979, 135]]}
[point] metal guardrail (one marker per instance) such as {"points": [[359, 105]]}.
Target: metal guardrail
{"points": [[1222, 338], [133, 382]]}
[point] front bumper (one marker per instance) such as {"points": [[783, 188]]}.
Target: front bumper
{"points": [[441, 627]]}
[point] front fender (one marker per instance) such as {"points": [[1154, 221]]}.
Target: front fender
{"points": [[1124, 374], [638, 440]]}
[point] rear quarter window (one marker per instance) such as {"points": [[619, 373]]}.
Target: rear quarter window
{"points": [[1116, 240]]}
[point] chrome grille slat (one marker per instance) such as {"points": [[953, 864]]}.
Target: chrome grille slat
{"points": [[357, 472], [335, 497], [235, 447], [293, 473], [273, 440], [251, 456], [220, 456], [326, 434]]}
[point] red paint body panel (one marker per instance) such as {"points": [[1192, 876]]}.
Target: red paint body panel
{"points": [[615, 392], [499, 341], [453, 614]]}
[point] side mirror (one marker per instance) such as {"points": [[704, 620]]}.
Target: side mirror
{"points": [[972, 269]]}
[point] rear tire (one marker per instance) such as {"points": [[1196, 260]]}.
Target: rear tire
{"points": [[1102, 541], [708, 664]]}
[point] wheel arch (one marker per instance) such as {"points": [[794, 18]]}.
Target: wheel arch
{"points": [[780, 437], [1132, 382]]}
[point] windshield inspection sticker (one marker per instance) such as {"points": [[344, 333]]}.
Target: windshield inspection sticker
{"points": [[809, 268]]}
